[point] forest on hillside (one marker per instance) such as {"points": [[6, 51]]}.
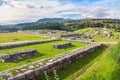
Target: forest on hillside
{"points": [[70, 25]]}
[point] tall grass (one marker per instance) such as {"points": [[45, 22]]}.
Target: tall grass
{"points": [[115, 52]]}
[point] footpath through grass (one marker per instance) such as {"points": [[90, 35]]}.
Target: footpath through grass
{"points": [[77, 67], [13, 36], [44, 50]]}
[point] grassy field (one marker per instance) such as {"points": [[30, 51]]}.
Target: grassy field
{"points": [[73, 70], [44, 50], [13, 36]]}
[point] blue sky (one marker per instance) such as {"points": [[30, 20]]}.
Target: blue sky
{"points": [[20, 11]]}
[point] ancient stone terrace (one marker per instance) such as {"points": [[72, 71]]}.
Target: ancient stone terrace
{"points": [[17, 44], [35, 69], [13, 56], [62, 45]]}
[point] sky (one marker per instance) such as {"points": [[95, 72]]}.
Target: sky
{"points": [[21, 11]]}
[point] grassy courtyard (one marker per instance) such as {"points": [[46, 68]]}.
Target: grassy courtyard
{"points": [[44, 50]]}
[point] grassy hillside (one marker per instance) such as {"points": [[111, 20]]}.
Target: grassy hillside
{"points": [[100, 34]]}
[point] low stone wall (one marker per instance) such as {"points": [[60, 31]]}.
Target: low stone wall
{"points": [[35, 69], [62, 45], [18, 55], [25, 43], [82, 40]]}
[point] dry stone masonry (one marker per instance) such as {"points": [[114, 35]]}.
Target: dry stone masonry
{"points": [[62, 45], [32, 70], [18, 55], [25, 43]]}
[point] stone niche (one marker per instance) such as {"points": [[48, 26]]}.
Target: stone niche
{"points": [[61, 45], [13, 56]]}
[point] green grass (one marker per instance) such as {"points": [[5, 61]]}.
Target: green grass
{"points": [[116, 72], [77, 67], [44, 50], [102, 68], [83, 30], [107, 68], [11, 37]]}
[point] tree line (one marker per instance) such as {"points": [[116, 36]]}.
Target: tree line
{"points": [[71, 25]]}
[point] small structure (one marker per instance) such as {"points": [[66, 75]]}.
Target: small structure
{"points": [[18, 55], [62, 45]]}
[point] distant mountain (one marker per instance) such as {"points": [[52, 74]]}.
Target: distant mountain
{"points": [[51, 20], [3, 27]]}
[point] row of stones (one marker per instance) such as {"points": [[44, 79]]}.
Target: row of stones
{"points": [[35, 69], [18, 55], [26, 43], [62, 45]]}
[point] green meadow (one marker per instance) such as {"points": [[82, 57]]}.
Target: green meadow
{"points": [[13, 36]]}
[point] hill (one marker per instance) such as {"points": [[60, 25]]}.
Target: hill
{"points": [[70, 25], [99, 33], [51, 20]]}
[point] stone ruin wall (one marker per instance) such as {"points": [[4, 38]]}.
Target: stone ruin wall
{"points": [[62, 45], [25, 43], [18, 55], [35, 69]]}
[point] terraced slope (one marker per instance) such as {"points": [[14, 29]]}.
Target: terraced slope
{"points": [[97, 65], [100, 34]]}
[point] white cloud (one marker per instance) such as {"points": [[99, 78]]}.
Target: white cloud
{"points": [[17, 11]]}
